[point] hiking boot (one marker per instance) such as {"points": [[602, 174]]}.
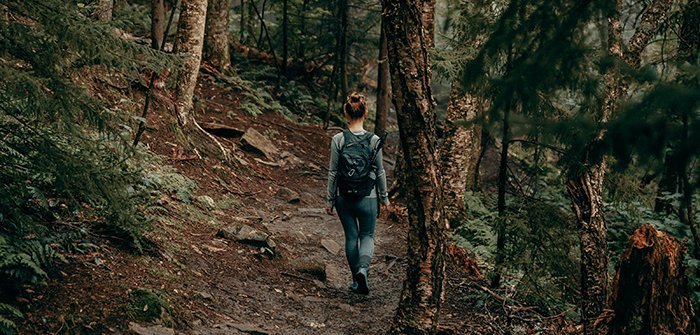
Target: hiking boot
{"points": [[353, 286], [361, 279]]}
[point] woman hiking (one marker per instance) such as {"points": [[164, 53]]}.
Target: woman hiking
{"points": [[356, 178]]}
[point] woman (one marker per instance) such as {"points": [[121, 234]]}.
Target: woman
{"points": [[354, 194]]}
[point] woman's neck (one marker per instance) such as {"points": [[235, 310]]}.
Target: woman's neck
{"points": [[356, 126]]}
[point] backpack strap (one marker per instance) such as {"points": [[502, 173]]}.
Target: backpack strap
{"points": [[380, 145]]}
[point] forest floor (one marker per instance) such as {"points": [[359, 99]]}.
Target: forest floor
{"points": [[215, 285]]}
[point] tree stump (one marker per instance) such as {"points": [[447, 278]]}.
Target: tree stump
{"points": [[650, 294]]}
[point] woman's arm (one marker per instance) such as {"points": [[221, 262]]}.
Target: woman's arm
{"points": [[381, 178], [332, 170]]}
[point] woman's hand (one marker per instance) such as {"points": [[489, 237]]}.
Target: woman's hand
{"points": [[329, 210]]}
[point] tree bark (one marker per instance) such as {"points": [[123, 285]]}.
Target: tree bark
{"points": [[382, 85], [422, 292], [103, 10], [585, 188], [188, 45], [460, 151], [427, 17], [428, 22], [216, 46], [650, 294], [157, 23]]}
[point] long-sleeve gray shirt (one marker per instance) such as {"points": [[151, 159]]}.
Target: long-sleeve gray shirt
{"points": [[377, 172]]}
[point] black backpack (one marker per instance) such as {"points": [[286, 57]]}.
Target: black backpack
{"points": [[355, 164]]}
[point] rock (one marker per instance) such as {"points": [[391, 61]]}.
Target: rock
{"points": [[206, 201], [288, 195], [204, 295], [313, 266], [286, 215], [312, 211], [253, 140], [299, 236], [250, 329], [332, 246], [309, 198], [221, 129], [289, 160], [246, 234], [136, 328]]}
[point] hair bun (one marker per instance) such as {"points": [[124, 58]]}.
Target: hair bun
{"points": [[355, 106]]}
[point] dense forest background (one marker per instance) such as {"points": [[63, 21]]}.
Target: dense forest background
{"points": [[544, 158]]}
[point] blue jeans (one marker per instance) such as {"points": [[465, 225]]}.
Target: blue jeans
{"points": [[359, 219]]}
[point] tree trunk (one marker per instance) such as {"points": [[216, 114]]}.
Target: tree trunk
{"points": [[301, 51], [157, 23], [460, 151], [585, 187], [103, 10], [343, 49], [260, 13], [428, 22], [422, 292], [382, 85], [650, 294], [501, 202], [689, 42], [216, 46], [427, 17], [285, 37], [247, 31], [188, 45]]}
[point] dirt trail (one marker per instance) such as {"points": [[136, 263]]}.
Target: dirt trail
{"points": [[263, 300], [251, 294]]}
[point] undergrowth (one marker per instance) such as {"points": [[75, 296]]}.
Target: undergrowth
{"points": [[68, 171]]}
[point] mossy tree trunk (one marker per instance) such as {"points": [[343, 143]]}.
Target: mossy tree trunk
{"points": [[422, 292], [188, 45], [216, 44]]}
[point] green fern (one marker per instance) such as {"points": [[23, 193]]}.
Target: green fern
{"points": [[7, 313]]}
